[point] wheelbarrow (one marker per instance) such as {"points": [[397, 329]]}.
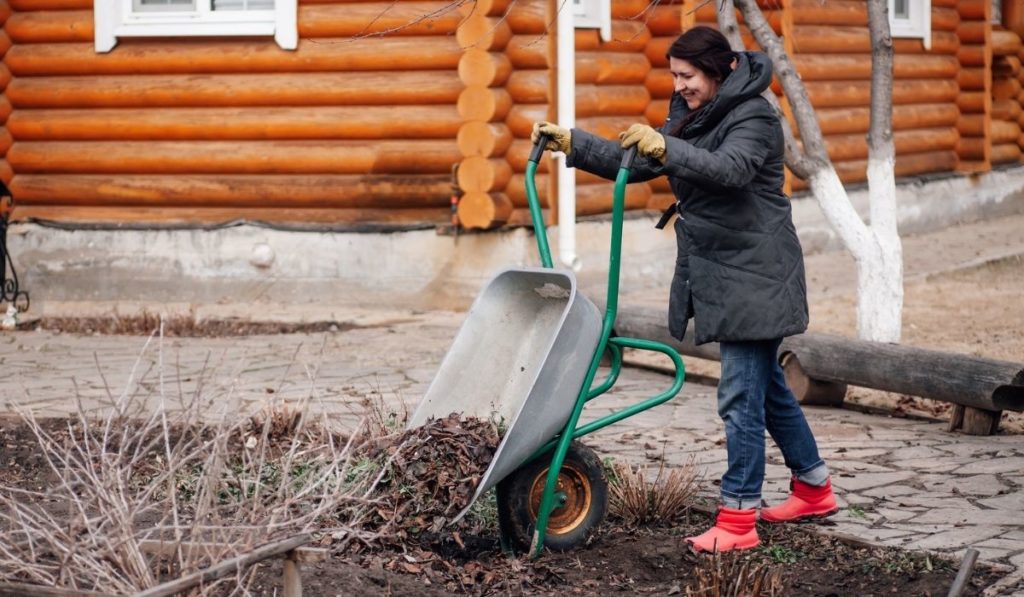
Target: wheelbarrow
{"points": [[526, 357]]}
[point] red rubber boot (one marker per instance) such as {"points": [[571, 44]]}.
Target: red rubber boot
{"points": [[804, 501], [734, 529]]}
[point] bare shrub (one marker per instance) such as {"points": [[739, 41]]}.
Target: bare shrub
{"points": [[734, 575], [637, 499], [119, 483]]}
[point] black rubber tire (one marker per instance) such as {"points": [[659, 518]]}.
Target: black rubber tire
{"points": [[582, 478]]}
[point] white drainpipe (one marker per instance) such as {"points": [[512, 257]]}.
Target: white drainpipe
{"points": [[566, 71]]}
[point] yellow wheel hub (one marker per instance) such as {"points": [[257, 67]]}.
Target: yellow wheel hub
{"points": [[573, 483]]}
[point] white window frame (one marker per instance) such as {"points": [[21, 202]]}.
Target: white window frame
{"points": [[917, 24], [593, 14], [116, 18]]}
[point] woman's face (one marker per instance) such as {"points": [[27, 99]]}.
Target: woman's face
{"points": [[692, 83]]}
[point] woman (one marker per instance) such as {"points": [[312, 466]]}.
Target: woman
{"points": [[739, 268]]}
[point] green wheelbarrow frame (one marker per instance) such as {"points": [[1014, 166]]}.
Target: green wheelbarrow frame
{"points": [[614, 346]]}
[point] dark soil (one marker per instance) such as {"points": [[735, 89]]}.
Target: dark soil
{"points": [[807, 559]]}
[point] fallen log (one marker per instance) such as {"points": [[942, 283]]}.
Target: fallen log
{"points": [[986, 385]]}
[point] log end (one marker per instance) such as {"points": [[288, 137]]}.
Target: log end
{"points": [[479, 210], [810, 391]]}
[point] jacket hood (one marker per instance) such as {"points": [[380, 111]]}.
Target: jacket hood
{"points": [[752, 75]]}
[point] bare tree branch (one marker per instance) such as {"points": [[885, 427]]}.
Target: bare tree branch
{"points": [[795, 158], [815, 155]]}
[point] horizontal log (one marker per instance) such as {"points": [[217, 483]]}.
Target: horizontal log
{"points": [[521, 117], [529, 86], [485, 175], [522, 218], [50, 26], [483, 69], [611, 100], [5, 109], [974, 148], [973, 55], [1006, 109], [855, 147], [834, 121], [611, 68], [490, 8], [973, 32], [634, 10], [968, 380], [269, 190], [487, 33], [529, 17], [1005, 89], [830, 94], [656, 112], [973, 10], [812, 39], [707, 12], [483, 211], [6, 141], [608, 127], [1005, 43], [527, 51], [27, 5], [659, 84], [828, 67], [142, 56], [6, 172], [1005, 132], [965, 166], [973, 78], [627, 36], [366, 122], [660, 201], [665, 20], [972, 125], [834, 12], [596, 199], [945, 18], [362, 219], [5, 76], [906, 165], [971, 102], [486, 139], [361, 19], [486, 104], [364, 19], [1005, 153], [268, 89], [656, 51], [398, 157]]}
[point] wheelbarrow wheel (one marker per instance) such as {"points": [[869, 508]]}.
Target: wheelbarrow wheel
{"points": [[581, 481]]}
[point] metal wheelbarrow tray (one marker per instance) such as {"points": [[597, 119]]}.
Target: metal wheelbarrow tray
{"points": [[519, 360], [526, 357]]}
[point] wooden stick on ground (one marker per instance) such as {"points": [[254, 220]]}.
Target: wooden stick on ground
{"points": [[227, 567], [964, 574]]}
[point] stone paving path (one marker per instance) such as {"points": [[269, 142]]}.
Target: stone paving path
{"points": [[902, 482]]}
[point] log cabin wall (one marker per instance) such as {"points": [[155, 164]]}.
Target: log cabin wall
{"points": [[975, 79], [340, 130], [365, 120], [610, 95]]}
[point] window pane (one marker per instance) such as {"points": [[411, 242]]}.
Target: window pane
{"points": [[901, 9], [243, 4], [163, 5]]}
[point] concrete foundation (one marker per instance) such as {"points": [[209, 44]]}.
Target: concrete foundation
{"points": [[323, 274]]}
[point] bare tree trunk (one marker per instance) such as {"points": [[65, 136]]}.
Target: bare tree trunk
{"points": [[876, 249]]}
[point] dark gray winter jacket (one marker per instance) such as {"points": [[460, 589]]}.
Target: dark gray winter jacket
{"points": [[739, 268]]}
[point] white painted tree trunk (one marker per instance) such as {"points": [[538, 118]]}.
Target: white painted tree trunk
{"points": [[876, 249]]}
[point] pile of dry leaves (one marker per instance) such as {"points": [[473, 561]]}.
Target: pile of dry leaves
{"points": [[431, 473]]}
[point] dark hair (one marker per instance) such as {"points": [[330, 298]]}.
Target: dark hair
{"points": [[706, 49]]}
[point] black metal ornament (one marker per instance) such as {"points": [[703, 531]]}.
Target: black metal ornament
{"points": [[10, 292]]}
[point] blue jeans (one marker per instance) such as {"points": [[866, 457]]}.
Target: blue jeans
{"points": [[753, 396]]}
